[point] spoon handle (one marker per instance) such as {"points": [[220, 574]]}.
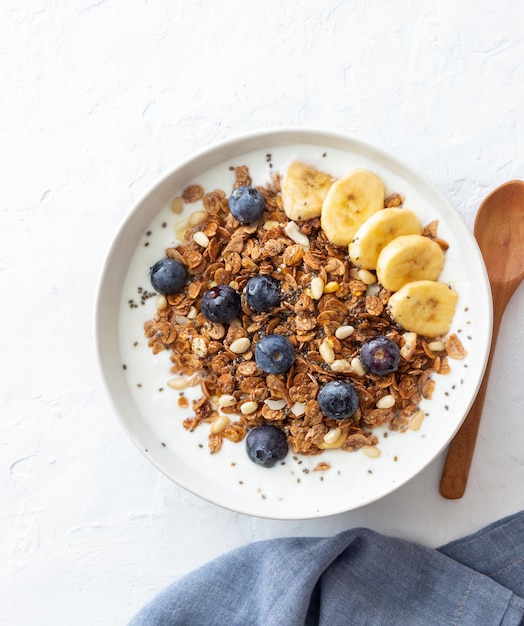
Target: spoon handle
{"points": [[460, 453]]}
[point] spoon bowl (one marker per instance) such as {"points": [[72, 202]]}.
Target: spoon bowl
{"points": [[499, 231]]}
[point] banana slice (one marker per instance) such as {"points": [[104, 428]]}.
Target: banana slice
{"points": [[348, 204], [304, 188], [407, 258], [377, 231], [425, 307]]}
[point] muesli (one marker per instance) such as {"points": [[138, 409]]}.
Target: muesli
{"points": [[331, 303]]}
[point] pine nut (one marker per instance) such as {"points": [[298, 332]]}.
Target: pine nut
{"points": [[226, 400], [366, 277], [331, 287], [196, 218], [386, 402], [416, 420], [332, 435], [177, 206], [241, 345], [269, 224], [337, 443], [340, 365], [343, 332], [220, 424], [177, 383], [371, 451], [201, 239], [357, 367], [161, 302], [317, 287], [248, 407], [326, 351], [293, 232], [436, 346]]}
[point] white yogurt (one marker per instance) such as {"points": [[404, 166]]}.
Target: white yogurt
{"points": [[158, 404]]}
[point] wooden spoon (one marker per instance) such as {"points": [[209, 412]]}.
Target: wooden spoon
{"points": [[499, 230]]}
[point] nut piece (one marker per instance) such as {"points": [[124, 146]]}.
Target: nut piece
{"points": [[177, 206], [416, 420], [248, 407], [241, 345], [226, 400], [220, 424], [340, 365], [366, 277], [197, 218], [386, 402], [410, 343], [201, 239], [179, 382], [332, 435], [317, 287], [343, 332], [357, 367], [161, 302], [293, 232], [326, 351], [371, 451], [331, 287]]}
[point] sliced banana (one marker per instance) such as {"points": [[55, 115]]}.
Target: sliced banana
{"points": [[348, 204], [304, 188], [377, 231], [408, 258], [425, 307]]}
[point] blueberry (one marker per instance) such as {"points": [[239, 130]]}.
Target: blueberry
{"points": [[262, 293], [274, 354], [247, 204], [220, 304], [168, 276], [380, 355], [338, 399], [266, 445]]}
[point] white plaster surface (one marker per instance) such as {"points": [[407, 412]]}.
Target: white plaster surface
{"points": [[99, 98]]}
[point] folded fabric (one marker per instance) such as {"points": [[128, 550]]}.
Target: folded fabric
{"points": [[358, 577]]}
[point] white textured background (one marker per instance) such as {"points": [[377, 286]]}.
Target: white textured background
{"points": [[99, 98]]}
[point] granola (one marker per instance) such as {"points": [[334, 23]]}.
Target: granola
{"points": [[328, 309]]}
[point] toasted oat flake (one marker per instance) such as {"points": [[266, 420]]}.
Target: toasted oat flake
{"points": [[454, 347], [192, 193]]}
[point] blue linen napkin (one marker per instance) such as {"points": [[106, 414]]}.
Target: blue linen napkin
{"points": [[358, 577]]}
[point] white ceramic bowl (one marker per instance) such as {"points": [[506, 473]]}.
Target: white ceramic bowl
{"points": [[153, 420]]}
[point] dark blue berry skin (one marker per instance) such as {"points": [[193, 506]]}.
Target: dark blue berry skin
{"points": [[338, 399], [247, 204], [274, 354], [262, 293], [220, 304], [168, 276], [380, 355], [266, 445]]}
